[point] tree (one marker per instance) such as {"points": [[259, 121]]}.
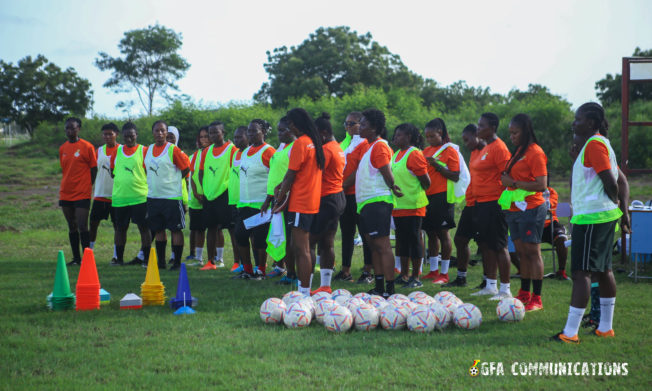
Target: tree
{"points": [[609, 90], [36, 90], [150, 64], [333, 61]]}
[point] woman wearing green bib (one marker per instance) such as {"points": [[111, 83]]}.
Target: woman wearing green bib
{"points": [[197, 225]]}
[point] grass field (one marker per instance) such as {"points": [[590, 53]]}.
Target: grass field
{"points": [[226, 346]]}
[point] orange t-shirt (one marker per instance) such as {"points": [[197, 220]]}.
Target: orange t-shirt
{"points": [[531, 165], [554, 200], [352, 162], [129, 151], [381, 155], [305, 193], [333, 175], [179, 158], [486, 167], [596, 155], [76, 161], [192, 161], [438, 183], [217, 151], [416, 163]]}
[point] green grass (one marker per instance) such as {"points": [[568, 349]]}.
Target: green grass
{"points": [[226, 346]]}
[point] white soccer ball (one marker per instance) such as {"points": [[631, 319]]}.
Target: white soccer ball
{"points": [[341, 296], [365, 317], [409, 306], [353, 303], [378, 302], [415, 294], [364, 296], [442, 316], [296, 315], [393, 317], [308, 303], [421, 320], [338, 319], [271, 311], [319, 296], [398, 296], [451, 303], [444, 295], [468, 317], [421, 299], [322, 308], [292, 297], [510, 309]]}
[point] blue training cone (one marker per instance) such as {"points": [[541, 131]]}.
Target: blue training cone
{"points": [[183, 291], [185, 310]]}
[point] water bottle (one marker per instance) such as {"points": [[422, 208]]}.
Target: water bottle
{"points": [[546, 197]]}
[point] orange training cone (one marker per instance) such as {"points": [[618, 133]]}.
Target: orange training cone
{"points": [[88, 284]]}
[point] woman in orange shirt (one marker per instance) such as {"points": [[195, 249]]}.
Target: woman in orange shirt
{"points": [[303, 183], [525, 178], [79, 167]]}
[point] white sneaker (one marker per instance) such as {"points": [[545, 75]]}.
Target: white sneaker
{"points": [[501, 295], [219, 263], [485, 292], [196, 262]]}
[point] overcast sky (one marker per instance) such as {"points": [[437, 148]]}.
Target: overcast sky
{"points": [[565, 45]]}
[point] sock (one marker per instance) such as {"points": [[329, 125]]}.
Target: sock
{"points": [[145, 251], [120, 253], [491, 284], [525, 284], [421, 266], [73, 237], [380, 283], [199, 253], [606, 313], [310, 283], [317, 261], [573, 321], [177, 252], [397, 263], [461, 274], [141, 254], [172, 256], [91, 245], [434, 264], [536, 287], [304, 291], [115, 253], [249, 269], [595, 302], [160, 250], [326, 275], [390, 287], [505, 288], [85, 238], [445, 263], [219, 252]]}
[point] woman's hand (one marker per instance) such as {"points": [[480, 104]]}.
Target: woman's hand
{"points": [[507, 180], [397, 191]]}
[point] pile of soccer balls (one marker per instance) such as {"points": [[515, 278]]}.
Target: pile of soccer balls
{"points": [[418, 312]]}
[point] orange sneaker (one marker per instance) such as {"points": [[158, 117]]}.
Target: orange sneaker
{"points": [[235, 266], [441, 279], [523, 296], [431, 276], [324, 288], [396, 271], [534, 304], [606, 334], [561, 337], [209, 266]]}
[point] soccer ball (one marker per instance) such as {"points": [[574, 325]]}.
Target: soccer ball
{"points": [[444, 295], [292, 297], [271, 311], [364, 296], [322, 308], [353, 303], [393, 317], [319, 296], [441, 315], [467, 316], [378, 302], [365, 317], [398, 296], [510, 310], [338, 319], [341, 296], [451, 303], [296, 315], [309, 304], [415, 294], [408, 306], [421, 320], [421, 299]]}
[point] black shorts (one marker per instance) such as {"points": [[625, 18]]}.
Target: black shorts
{"points": [[490, 222], [218, 213], [439, 213], [197, 219], [376, 219], [305, 221], [466, 227], [81, 204], [165, 214], [257, 234], [137, 214], [331, 208], [592, 247], [408, 236], [102, 210], [527, 225], [558, 232]]}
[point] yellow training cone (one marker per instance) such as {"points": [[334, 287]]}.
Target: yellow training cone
{"points": [[152, 277]]}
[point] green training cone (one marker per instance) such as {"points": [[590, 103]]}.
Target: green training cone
{"points": [[61, 282]]}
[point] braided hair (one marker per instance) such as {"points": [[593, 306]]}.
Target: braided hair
{"points": [[595, 112], [265, 127], [439, 124], [416, 139], [523, 122], [301, 120]]}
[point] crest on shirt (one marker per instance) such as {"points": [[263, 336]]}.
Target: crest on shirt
{"points": [[155, 170], [484, 156], [76, 154]]}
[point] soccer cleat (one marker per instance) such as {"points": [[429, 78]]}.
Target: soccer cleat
{"points": [[431, 276], [482, 285], [413, 283], [501, 295], [175, 266], [401, 280], [285, 280], [135, 261], [239, 269], [219, 263], [209, 266], [523, 296], [277, 272], [561, 275], [235, 267], [74, 262], [198, 262], [442, 279], [171, 261], [341, 276], [485, 292], [243, 276], [365, 278], [258, 275], [561, 337], [534, 304], [459, 281], [115, 262], [606, 334], [374, 292], [396, 271], [190, 257], [324, 288]]}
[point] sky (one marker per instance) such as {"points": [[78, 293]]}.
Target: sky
{"points": [[565, 45]]}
